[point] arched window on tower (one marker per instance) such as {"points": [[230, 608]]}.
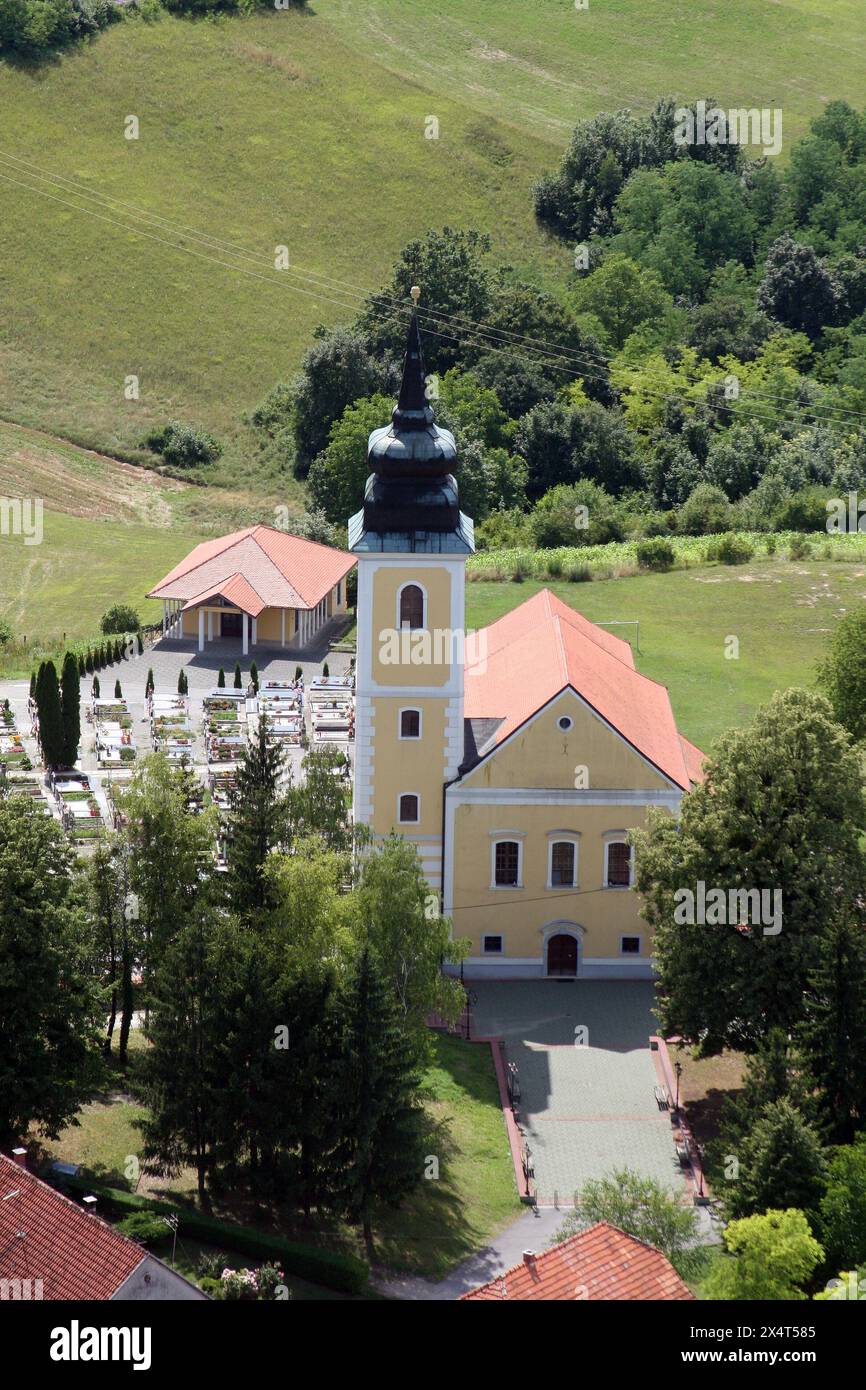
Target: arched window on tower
{"points": [[411, 606]]}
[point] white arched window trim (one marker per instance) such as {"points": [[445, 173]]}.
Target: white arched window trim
{"points": [[618, 837], [563, 837], [409, 709], [412, 584], [506, 837]]}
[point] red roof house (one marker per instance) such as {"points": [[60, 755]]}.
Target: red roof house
{"points": [[601, 1263], [259, 584], [50, 1248]]}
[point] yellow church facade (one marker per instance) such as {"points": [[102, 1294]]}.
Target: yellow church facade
{"points": [[517, 759]]}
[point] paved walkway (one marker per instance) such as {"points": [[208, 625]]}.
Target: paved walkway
{"points": [[584, 1109]]}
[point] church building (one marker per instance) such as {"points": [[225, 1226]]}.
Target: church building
{"points": [[516, 759]]}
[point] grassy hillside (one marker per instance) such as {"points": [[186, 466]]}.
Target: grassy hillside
{"points": [[308, 130], [110, 531]]}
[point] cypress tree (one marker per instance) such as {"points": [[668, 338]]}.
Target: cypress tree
{"points": [[117, 651], [70, 685], [140, 643], [51, 731], [82, 669], [95, 687], [88, 662], [32, 684], [182, 683], [254, 676], [221, 680], [380, 1156], [299, 673], [149, 686], [118, 693], [238, 684], [325, 670]]}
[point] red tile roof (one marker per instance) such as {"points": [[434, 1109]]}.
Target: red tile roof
{"points": [[46, 1236], [236, 590], [522, 661], [284, 571], [600, 1263]]}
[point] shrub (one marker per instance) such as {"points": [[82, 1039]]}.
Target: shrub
{"points": [[120, 618], [553, 566], [211, 1263], [182, 446], [579, 574], [804, 511], [655, 554], [145, 1227], [705, 512], [799, 549], [731, 549], [5, 633]]}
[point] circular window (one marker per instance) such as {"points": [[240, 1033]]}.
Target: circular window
{"points": [[565, 723]]}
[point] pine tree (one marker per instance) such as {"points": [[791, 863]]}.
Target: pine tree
{"points": [[380, 1156], [238, 681], [781, 1164], [178, 1075], [51, 731], [70, 685], [833, 1033], [221, 680], [257, 821]]}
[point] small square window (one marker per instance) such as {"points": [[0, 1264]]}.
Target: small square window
{"points": [[408, 807], [493, 945], [630, 946], [410, 723]]}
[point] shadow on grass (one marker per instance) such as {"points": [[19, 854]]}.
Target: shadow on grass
{"points": [[704, 1115]]}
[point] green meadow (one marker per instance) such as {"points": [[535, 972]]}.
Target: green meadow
{"points": [[308, 130]]}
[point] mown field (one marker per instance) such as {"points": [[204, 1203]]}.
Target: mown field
{"points": [[307, 130], [780, 611]]}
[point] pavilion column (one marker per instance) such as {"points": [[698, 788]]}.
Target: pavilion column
{"points": [[255, 631], [201, 629], [245, 629], [163, 617], [210, 624], [282, 627]]}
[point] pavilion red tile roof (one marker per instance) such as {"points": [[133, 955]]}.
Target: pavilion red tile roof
{"points": [[46, 1236], [236, 591], [599, 1264], [283, 571], [519, 663]]}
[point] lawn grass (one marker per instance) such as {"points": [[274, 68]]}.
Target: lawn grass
{"points": [[781, 613], [705, 1084], [308, 130]]}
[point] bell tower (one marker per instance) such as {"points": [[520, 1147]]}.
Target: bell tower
{"points": [[411, 540]]}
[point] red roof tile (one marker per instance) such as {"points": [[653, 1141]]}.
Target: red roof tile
{"points": [[598, 1264], [46, 1236], [526, 658], [284, 571], [236, 590]]}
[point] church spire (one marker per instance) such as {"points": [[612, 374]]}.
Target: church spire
{"points": [[413, 411]]}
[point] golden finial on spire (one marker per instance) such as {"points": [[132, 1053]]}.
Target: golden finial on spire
{"points": [[415, 292]]}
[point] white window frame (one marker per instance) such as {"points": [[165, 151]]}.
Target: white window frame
{"points": [[634, 936], [412, 584], [410, 738], [618, 837], [485, 935], [510, 837], [563, 837], [570, 719], [417, 795]]}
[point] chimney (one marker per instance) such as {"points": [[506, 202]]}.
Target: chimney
{"points": [[19, 1156], [90, 1205], [529, 1258]]}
